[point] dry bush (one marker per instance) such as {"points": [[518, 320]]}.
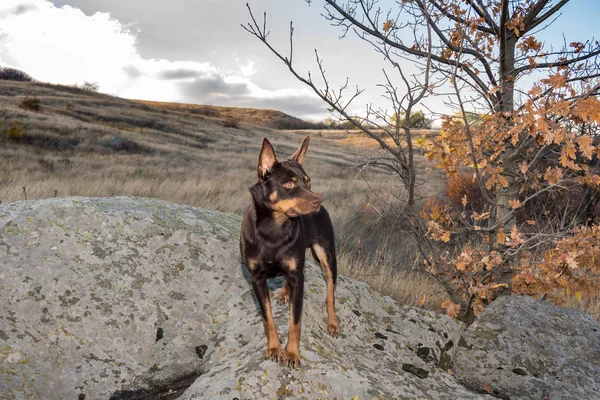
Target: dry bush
{"points": [[13, 74], [16, 131], [32, 104], [231, 123], [464, 188]]}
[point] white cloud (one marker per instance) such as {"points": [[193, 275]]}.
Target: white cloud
{"points": [[248, 69], [64, 45]]}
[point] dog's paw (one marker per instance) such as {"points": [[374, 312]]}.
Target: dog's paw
{"points": [[334, 329], [283, 296], [291, 359], [274, 354]]}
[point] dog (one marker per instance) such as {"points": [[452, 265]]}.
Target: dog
{"points": [[283, 220]]}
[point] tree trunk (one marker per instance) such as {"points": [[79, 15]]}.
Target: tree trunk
{"points": [[506, 106]]}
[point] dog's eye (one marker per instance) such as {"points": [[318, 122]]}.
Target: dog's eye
{"points": [[289, 185]]}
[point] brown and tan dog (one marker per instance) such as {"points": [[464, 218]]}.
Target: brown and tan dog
{"points": [[283, 220]]}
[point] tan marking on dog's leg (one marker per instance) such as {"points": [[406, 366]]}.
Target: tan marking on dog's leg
{"points": [[251, 264], [291, 357], [332, 324], [290, 264], [273, 343], [284, 294]]}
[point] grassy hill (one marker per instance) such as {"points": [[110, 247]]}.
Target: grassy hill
{"points": [[83, 143], [234, 116]]}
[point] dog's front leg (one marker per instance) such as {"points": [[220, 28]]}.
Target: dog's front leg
{"points": [[295, 282], [261, 290]]}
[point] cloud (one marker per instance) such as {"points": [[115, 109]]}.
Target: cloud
{"points": [[64, 45], [297, 105], [180, 73], [213, 85], [10, 8], [241, 92]]}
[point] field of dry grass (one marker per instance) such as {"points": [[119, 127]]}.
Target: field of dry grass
{"points": [[190, 158]]}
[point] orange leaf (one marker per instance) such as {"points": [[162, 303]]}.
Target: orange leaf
{"points": [[585, 146], [501, 236], [388, 25], [514, 203], [557, 80], [523, 168], [503, 181], [478, 217], [536, 90], [515, 236], [446, 237], [452, 309]]}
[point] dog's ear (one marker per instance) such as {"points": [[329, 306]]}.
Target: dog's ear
{"points": [[266, 160], [301, 152]]}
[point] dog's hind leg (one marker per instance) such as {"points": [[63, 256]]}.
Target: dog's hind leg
{"points": [[261, 290], [325, 254]]}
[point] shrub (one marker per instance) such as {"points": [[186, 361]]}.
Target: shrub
{"points": [[440, 212], [13, 74], [32, 104], [204, 110], [121, 143], [231, 123], [417, 120], [90, 86], [15, 132], [463, 184]]}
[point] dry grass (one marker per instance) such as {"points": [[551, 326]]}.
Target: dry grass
{"points": [[356, 138], [191, 158]]}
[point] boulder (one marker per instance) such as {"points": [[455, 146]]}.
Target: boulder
{"points": [[521, 348], [122, 297], [101, 296]]}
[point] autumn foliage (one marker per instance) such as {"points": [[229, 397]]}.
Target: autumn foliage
{"points": [[556, 158]]}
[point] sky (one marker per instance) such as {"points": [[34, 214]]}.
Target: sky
{"points": [[195, 51]]}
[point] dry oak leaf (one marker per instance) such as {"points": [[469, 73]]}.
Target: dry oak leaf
{"points": [[452, 309], [388, 25], [501, 236]]}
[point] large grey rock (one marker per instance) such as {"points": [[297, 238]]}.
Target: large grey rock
{"points": [[521, 348], [89, 286], [102, 296]]}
